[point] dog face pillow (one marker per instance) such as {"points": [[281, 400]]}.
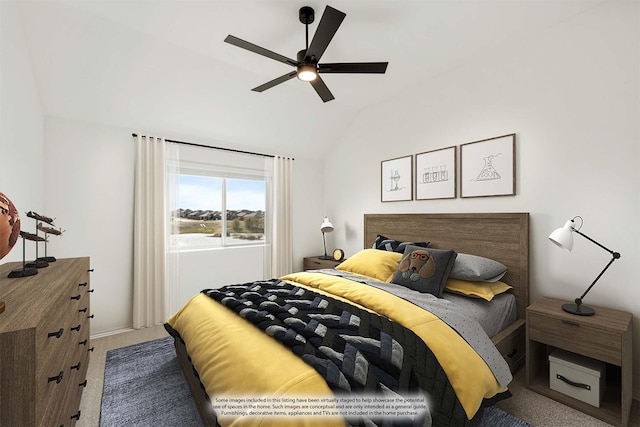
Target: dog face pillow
{"points": [[424, 269], [418, 265]]}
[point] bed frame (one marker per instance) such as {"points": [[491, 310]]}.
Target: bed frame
{"points": [[503, 237]]}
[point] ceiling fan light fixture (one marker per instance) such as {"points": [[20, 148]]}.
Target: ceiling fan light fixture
{"points": [[307, 72]]}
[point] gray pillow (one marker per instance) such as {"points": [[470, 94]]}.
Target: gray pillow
{"points": [[477, 269], [424, 270]]}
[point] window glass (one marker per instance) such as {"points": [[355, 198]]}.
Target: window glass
{"points": [[245, 207], [205, 199]]}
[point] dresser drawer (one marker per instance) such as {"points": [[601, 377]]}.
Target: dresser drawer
{"points": [[42, 360], [576, 336]]}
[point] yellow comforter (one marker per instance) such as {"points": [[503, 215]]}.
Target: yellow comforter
{"points": [[234, 358]]}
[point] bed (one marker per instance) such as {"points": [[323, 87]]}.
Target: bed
{"points": [[463, 386]]}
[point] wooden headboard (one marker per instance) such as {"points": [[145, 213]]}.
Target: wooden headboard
{"points": [[503, 237]]}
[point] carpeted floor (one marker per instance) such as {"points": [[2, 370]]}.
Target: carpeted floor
{"points": [[144, 386]]}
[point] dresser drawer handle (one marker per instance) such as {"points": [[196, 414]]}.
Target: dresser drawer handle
{"points": [[56, 334], [76, 367], [77, 297], [82, 310], [90, 349], [91, 291], [579, 385], [57, 378], [90, 270], [76, 328], [83, 284], [569, 322], [76, 416], [83, 342], [90, 317], [83, 384]]}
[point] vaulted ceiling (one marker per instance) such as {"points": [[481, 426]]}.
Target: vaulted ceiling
{"points": [[162, 66]]}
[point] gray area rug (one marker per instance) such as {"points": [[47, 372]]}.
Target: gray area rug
{"points": [[144, 386]]}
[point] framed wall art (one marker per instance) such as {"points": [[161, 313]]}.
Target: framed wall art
{"points": [[436, 173], [488, 167], [396, 179]]}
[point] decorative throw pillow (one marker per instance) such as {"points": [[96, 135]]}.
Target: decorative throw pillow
{"points": [[478, 269], [386, 244], [425, 269], [484, 290], [379, 265]]}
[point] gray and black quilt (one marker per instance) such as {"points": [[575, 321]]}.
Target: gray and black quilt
{"points": [[356, 351]]}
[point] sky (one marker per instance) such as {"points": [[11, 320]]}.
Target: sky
{"points": [[202, 192]]}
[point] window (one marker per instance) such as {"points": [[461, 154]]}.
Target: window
{"points": [[219, 208]]}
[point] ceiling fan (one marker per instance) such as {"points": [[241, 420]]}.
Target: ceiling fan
{"points": [[307, 63]]}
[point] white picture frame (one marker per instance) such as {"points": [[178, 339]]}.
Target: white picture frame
{"points": [[488, 167], [396, 179], [436, 174]]}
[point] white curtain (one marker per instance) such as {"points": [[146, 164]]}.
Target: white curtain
{"points": [[280, 224], [153, 266]]}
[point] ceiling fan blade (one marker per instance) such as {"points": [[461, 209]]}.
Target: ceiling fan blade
{"points": [[259, 50], [329, 24], [322, 89], [275, 82], [354, 67]]}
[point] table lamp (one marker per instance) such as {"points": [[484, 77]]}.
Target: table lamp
{"points": [[326, 227], [563, 237]]}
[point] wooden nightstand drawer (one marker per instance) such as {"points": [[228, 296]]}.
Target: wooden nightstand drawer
{"points": [[576, 336], [315, 263], [605, 336]]}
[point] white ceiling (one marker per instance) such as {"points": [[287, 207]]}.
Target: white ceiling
{"points": [[162, 66]]}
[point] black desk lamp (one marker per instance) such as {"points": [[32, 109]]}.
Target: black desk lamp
{"points": [[563, 237], [326, 227]]}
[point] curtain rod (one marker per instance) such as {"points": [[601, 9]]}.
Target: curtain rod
{"points": [[135, 135]]}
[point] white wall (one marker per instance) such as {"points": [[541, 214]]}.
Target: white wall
{"points": [[89, 175], [571, 94], [21, 127]]}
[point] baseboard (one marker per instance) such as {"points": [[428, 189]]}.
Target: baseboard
{"points": [[108, 333]]}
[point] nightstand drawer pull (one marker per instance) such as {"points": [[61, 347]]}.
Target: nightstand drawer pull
{"points": [[569, 322], [56, 334], [579, 385], [512, 353]]}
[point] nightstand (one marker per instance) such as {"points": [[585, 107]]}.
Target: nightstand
{"points": [[605, 336], [315, 263]]}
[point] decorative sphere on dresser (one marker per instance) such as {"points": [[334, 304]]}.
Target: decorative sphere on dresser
{"points": [[9, 225]]}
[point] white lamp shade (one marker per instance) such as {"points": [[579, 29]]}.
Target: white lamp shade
{"points": [[326, 226], [563, 236]]}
